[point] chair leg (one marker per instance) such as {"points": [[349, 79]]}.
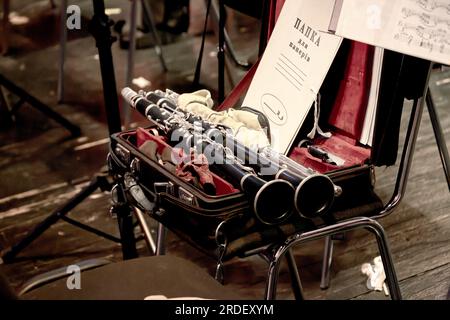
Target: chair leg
{"points": [[295, 277], [272, 279], [344, 226], [145, 229], [161, 240], [326, 263], [126, 229], [388, 264]]}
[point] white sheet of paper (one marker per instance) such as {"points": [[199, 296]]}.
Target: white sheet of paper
{"points": [[419, 28], [293, 67], [369, 120]]}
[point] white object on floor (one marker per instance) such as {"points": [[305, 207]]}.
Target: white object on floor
{"points": [[375, 275]]}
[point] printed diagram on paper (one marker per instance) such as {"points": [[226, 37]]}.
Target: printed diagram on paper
{"points": [[425, 24], [419, 28]]}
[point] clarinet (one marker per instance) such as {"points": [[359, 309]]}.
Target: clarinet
{"points": [[271, 201], [314, 192]]}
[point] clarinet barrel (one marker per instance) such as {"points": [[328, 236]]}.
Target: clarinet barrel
{"points": [[272, 201], [314, 192]]}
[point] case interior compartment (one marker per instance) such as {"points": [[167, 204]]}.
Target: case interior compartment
{"points": [[342, 111], [140, 136]]}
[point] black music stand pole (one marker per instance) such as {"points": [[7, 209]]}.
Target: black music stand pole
{"points": [[440, 138], [100, 29]]}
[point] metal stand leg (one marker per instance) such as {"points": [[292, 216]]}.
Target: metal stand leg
{"points": [[126, 229], [295, 277], [37, 104], [131, 54], [6, 116], [99, 27], [440, 139], [161, 241], [146, 230], [228, 44], [326, 263], [54, 217], [62, 50], [148, 16]]}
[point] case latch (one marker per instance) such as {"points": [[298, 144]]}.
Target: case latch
{"points": [[122, 153]]}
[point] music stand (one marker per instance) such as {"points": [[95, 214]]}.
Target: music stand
{"points": [[99, 27]]}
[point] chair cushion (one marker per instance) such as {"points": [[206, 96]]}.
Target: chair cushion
{"points": [[137, 279]]}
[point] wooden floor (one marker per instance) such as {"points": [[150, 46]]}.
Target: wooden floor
{"points": [[41, 168]]}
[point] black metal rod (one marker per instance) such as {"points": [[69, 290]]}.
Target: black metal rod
{"points": [[99, 27], [407, 153], [161, 240], [388, 264], [90, 229], [295, 277], [439, 135], [128, 240], [326, 263], [229, 48], [148, 17], [39, 105]]}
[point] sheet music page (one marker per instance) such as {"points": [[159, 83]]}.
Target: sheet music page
{"points": [[293, 67], [369, 120], [418, 28]]}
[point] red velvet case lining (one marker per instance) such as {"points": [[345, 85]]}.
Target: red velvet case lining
{"points": [[347, 116], [353, 155], [223, 187]]}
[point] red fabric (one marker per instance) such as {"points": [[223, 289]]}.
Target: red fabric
{"points": [[275, 10], [143, 135], [223, 187], [353, 155], [196, 166], [350, 106], [279, 6]]}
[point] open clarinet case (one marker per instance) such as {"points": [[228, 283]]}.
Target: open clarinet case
{"points": [[209, 220]]}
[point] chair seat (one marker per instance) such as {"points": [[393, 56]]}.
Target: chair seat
{"points": [[137, 279]]}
